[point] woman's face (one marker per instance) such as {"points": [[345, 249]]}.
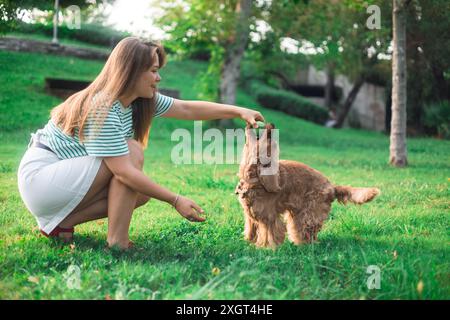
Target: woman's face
{"points": [[148, 81]]}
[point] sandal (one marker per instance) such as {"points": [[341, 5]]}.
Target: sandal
{"points": [[56, 233]]}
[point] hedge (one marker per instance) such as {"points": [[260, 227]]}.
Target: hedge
{"points": [[287, 102], [437, 118]]}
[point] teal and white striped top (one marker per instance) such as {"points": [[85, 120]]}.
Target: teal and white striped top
{"points": [[109, 141]]}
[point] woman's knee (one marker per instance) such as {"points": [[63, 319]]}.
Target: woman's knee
{"points": [[136, 153]]}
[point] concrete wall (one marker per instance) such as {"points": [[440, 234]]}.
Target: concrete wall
{"points": [[368, 110]]}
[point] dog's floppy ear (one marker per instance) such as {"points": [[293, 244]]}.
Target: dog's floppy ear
{"points": [[268, 166], [270, 182]]}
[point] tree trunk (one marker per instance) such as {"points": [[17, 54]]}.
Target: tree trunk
{"points": [[286, 83], [349, 101], [397, 149], [329, 87], [233, 55]]}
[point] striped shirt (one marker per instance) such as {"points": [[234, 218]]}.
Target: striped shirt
{"points": [[106, 140]]}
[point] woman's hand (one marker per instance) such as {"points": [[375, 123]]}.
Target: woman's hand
{"points": [[251, 116], [189, 209]]}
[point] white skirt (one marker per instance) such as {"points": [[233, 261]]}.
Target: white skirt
{"points": [[51, 188]]}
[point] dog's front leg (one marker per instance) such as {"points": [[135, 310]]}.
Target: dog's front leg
{"points": [[271, 230], [250, 229]]}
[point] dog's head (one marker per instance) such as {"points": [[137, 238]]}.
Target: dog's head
{"points": [[261, 154]]}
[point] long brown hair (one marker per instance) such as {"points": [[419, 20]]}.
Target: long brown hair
{"points": [[129, 59]]}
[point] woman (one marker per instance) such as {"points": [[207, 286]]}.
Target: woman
{"points": [[86, 163]]}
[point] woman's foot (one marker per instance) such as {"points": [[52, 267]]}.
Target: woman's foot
{"points": [[120, 245]]}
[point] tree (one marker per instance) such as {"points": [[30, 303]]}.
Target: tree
{"points": [[9, 9], [218, 29], [397, 148], [427, 60], [234, 51], [337, 30]]}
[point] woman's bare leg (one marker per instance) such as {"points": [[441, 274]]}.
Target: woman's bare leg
{"points": [[96, 210], [116, 204], [122, 201], [120, 213]]}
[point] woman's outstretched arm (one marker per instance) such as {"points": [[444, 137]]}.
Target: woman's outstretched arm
{"points": [[205, 110]]}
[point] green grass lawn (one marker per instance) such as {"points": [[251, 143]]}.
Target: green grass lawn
{"points": [[405, 231]]}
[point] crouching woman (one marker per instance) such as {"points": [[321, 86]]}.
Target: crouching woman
{"points": [[86, 163]]}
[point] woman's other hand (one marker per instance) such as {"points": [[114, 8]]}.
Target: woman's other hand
{"points": [[189, 209]]}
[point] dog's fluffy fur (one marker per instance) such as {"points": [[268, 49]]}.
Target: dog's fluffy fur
{"points": [[300, 194]]}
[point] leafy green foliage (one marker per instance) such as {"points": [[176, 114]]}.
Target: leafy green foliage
{"points": [[196, 26], [428, 49], [47, 5], [204, 29], [437, 116], [210, 79], [337, 30], [10, 8]]}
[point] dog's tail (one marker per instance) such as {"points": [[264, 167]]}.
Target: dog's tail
{"points": [[345, 194]]}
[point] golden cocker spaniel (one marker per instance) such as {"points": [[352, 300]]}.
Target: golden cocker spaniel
{"points": [[270, 189]]}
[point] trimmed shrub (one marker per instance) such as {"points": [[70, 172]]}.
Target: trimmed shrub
{"points": [[287, 102], [437, 118]]}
